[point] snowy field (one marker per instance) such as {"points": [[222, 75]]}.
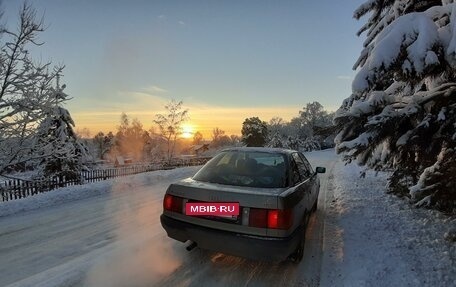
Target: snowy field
{"points": [[108, 234]]}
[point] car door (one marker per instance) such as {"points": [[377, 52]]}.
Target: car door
{"points": [[315, 180], [307, 181]]}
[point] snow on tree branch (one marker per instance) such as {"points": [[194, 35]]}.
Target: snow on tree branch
{"points": [[27, 90], [402, 112]]}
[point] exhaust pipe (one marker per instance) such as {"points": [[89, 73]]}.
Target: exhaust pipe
{"points": [[191, 246]]}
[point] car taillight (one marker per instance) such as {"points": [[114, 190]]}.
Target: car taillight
{"points": [[172, 203], [258, 218], [271, 218], [280, 219]]}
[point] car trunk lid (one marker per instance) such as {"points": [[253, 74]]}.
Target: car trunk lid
{"points": [[212, 192]]}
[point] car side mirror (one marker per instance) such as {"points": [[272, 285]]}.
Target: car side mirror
{"points": [[320, 169]]}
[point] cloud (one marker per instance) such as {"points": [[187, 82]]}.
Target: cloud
{"points": [[143, 101], [181, 23], [161, 17], [343, 77], [154, 90]]}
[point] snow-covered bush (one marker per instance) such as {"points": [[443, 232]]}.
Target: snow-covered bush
{"points": [[306, 132], [310, 144], [293, 142], [275, 141], [401, 115]]}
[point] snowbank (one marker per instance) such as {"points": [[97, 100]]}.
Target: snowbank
{"points": [[374, 239]]}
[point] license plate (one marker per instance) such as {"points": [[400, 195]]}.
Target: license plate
{"points": [[219, 209]]}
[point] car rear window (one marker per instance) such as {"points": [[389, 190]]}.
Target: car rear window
{"points": [[241, 168]]}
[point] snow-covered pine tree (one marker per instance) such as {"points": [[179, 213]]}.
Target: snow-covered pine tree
{"points": [[57, 146], [401, 115]]}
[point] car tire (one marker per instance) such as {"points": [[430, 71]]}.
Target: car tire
{"points": [[297, 256]]}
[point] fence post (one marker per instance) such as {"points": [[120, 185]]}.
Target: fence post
{"points": [[16, 196], [3, 192]]}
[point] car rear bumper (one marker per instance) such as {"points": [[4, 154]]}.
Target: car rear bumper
{"points": [[254, 247]]}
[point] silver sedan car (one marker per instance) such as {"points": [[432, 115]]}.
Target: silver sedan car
{"points": [[248, 202]]}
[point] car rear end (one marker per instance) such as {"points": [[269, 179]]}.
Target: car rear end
{"points": [[266, 227], [259, 227]]}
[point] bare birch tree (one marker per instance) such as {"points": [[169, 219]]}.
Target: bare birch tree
{"points": [[170, 124]]}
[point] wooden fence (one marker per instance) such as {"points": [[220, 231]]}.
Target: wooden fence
{"points": [[18, 188]]}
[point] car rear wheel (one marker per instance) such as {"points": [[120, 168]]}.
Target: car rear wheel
{"points": [[297, 256]]}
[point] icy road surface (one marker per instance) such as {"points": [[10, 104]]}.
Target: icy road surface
{"points": [[115, 239], [109, 234]]}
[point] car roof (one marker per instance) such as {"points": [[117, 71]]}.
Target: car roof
{"points": [[260, 149]]}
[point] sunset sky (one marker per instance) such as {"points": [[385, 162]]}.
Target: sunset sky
{"points": [[227, 60]]}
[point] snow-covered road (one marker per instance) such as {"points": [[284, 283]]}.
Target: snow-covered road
{"points": [[108, 234], [115, 239]]}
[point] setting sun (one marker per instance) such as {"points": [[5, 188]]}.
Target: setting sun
{"points": [[187, 131]]}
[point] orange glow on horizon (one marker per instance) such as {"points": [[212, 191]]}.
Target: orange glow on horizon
{"points": [[203, 119]]}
